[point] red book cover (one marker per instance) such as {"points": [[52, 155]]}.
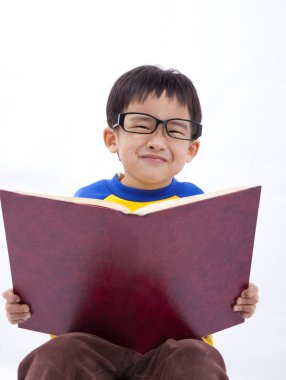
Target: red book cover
{"points": [[133, 280]]}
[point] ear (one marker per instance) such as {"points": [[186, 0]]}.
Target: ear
{"points": [[193, 150], [109, 138]]}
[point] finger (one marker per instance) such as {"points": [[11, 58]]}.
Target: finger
{"points": [[250, 292], [245, 308], [15, 318], [16, 321], [15, 308], [247, 301], [245, 315], [10, 296]]}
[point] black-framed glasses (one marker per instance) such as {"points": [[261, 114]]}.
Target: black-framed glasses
{"points": [[144, 124]]}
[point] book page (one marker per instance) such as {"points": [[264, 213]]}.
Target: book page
{"points": [[183, 201], [158, 206], [78, 200]]}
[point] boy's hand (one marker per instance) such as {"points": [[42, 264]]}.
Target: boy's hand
{"points": [[16, 312], [246, 303]]}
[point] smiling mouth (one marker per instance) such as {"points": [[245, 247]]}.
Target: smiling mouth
{"points": [[154, 158]]}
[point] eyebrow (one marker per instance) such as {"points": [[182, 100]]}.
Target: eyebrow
{"points": [[139, 116]]}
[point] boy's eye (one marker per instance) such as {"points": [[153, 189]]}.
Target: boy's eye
{"points": [[141, 126], [139, 123], [181, 130]]}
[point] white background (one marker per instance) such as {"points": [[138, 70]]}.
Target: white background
{"points": [[58, 61]]}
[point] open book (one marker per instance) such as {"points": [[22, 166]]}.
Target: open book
{"points": [[170, 270]]}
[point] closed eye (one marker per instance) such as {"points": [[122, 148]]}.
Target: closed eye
{"points": [[177, 131], [139, 128]]}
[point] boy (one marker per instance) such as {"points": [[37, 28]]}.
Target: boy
{"points": [[154, 124]]}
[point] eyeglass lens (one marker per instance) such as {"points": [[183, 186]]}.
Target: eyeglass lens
{"points": [[144, 124]]}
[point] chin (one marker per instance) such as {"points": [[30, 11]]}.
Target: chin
{"points": [[157, 183]]}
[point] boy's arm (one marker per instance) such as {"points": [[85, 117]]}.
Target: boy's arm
{"points": [[245, 304], [16, 312]]}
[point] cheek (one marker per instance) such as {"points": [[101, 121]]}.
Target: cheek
{"points": [[181, 156], [132, 149], [127, 152]]}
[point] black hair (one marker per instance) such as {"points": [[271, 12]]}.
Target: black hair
{"points": [[140, 82]]}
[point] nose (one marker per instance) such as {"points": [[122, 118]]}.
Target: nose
{"points": [[158, 139]]}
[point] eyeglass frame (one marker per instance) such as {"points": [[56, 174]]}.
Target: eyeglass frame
{"points": [[121, 118]]}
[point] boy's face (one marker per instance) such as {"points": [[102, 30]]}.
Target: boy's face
{"points": [[150, 161]]}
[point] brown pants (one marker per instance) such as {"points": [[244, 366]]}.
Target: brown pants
{"points": [[79, 356]]}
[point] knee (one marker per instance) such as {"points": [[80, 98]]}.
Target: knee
{"points": [[68, 341], [193, 350], [54, 351], [64, 344], [53, 355], [191, 358], [187, 346]]}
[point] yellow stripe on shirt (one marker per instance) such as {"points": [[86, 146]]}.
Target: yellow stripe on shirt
{"points": [[132, 205]]}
